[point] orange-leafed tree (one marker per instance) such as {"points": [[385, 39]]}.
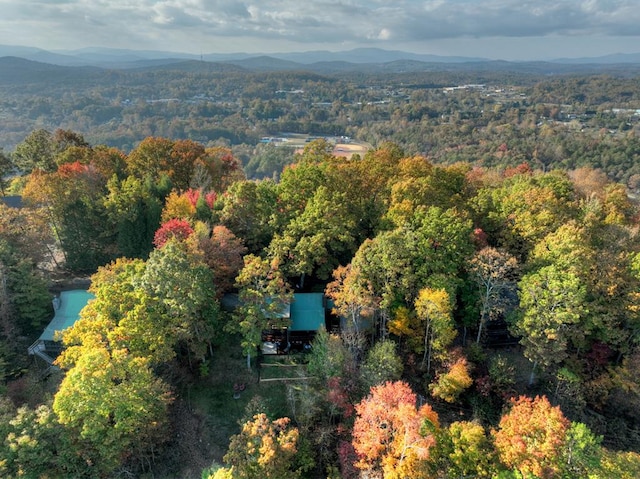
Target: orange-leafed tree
{"points": [[223, 252], [178, 206], [352, 295], [391, 435], [72, 197], [530, 437]]}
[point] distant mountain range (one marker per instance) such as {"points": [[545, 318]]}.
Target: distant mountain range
{"points": [[21, 60], [112, 58], [120, 58]]}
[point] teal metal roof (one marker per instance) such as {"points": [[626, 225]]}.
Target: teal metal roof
{"points": [[67, 312], [307, 312]]}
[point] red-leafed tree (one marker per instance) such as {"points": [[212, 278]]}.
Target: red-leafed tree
{"points": [[390, 434], [174, 228], [531, 436]]}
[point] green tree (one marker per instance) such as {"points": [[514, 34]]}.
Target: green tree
{"points": [[618, 465], [397, 264], [37, 151], [422, 186], [268, 161], [134, 211], [247, 209], [178, 281], [299, 182], [383, 267], [463, 450], [25, 302], [444, 243], [381, 364], [115, 405], [6, 167], [552, 303], [570, 248], [373, 174], [151, 309], [328, 357], [316, 240], [524, 209], [264, 296], [36, 445], [581, 452]]}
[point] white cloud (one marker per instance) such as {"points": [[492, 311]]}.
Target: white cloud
{"points": [[183, 23]]}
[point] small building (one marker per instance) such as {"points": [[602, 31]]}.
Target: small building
{"points": [[307, 313], [67, 309]]}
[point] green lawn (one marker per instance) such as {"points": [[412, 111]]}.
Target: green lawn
{"points": [[219, 411]]}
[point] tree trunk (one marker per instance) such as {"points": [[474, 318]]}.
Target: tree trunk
{"points": [[532, 375], [483, 320]]}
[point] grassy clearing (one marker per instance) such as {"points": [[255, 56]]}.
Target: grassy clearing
{"points": [[275, 367], [215, 409]]}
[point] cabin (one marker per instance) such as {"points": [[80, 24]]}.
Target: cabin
{"points": [[67, 307], [307, 313]]}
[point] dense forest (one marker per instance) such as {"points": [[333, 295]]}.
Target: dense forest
{"points": [[495, 118], [484, 265]]}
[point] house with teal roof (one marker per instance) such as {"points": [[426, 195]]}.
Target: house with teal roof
{"points": [[67, 307], [307, 313]]}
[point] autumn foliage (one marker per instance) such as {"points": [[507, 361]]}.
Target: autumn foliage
{"points": [[452, 383], [530, 437], [172, 229], [389, 431], [264, 449]]}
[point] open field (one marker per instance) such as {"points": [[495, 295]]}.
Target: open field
{"points": [[347, 150], [342, 146]]}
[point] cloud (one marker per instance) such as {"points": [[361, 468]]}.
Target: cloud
{"points": [[490, 18], [374, 22]]}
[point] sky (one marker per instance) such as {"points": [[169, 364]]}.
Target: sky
{"points": [[496, 29]]}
